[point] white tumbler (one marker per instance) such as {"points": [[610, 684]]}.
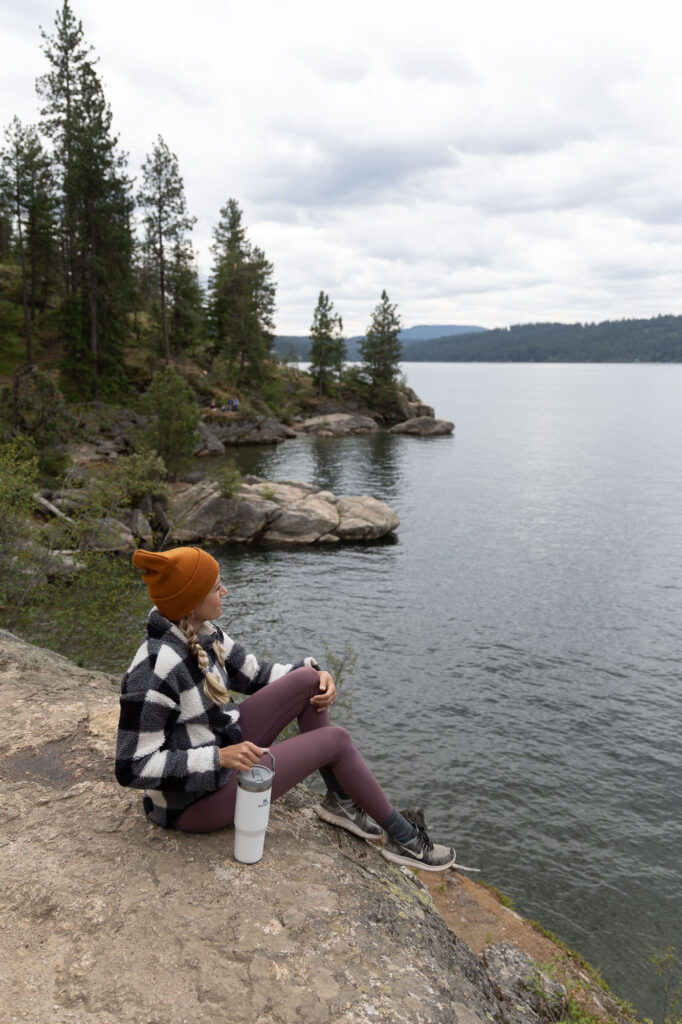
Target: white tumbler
{"points": [[252, 811]]}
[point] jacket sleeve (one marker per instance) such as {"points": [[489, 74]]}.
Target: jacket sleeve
{"points": [[149, 711], [246, 674]]}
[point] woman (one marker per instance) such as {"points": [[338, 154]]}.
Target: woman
{"points": [[182, 739]]}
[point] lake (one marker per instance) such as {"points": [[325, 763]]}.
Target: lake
{"points": [[518, 645]]}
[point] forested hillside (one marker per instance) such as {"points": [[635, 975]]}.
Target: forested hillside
{"points": [[658, 340], [298, 346]]}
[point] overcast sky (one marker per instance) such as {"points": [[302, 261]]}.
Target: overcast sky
{"points": [[485, 162]]}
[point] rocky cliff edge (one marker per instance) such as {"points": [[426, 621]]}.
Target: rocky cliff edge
{"points": [[107, 919]]}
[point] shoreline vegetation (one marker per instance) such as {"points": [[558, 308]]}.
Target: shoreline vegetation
{"points": [[83, 484]]}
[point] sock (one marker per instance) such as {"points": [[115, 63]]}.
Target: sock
{"points": [[398, 827], [332, 783]]}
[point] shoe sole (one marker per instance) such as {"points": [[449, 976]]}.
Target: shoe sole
{"points": [[349, 826], [412, 862]]}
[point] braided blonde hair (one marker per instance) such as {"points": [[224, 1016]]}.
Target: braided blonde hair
{"points": [[214, 688]]}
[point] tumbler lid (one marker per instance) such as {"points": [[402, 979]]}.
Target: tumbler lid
{"points": [[256, 779]]}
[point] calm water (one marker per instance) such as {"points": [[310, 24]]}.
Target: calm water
{"points": [[518, 647]]}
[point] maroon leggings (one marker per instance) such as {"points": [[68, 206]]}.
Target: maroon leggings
{"points": [[319, 745]]}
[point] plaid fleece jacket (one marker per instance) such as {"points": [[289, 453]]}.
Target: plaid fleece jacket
{"points": [[169, 732]]}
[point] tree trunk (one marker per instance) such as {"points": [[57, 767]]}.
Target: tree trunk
{"points": [[93, 314], [27, 319], [162, 283], [33, 267]]}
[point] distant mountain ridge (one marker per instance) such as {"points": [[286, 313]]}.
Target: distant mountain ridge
{"points": [[299, 344], [654, 340]]}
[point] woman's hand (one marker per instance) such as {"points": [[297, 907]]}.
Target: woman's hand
{"points": [[324, 700], [241, 756]]}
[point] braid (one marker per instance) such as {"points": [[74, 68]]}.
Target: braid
{"points": [[213, 686]]}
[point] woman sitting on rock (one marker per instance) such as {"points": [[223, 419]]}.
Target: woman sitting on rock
{"points": [[182, 739]]}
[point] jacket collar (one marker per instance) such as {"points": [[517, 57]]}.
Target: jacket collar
{"points": [[159, 627]]}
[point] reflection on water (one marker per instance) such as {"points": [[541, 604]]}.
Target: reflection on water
{"points": [[351, 465]]}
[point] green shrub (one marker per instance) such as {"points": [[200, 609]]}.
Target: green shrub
{"points": [[34, 406], [229, 479], [172, 407], [19, 557]]}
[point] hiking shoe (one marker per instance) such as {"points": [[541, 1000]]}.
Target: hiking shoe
{"points": [[348, 815], [418, 852]]}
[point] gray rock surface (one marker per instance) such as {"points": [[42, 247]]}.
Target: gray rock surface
{"points": [[337, 424], [424, 426], [518, 979], [286, 512], [235, 431], [209, 443], [108, 919], [411, 406]]}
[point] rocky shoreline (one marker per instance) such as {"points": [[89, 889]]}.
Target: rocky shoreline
{"points": [[256, 511]]}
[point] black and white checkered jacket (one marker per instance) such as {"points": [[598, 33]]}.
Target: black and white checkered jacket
{"points": [[169, 732]]}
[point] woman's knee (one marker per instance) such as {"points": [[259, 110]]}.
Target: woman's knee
{"points": [[305, 677], [338, 737]]}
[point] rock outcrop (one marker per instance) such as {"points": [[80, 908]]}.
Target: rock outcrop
{"points": [[424, 426], [287, 512], [337, 424], [220, 432], [107, 918]]}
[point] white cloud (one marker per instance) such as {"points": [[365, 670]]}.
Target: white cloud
{"points": [[494, 164]]}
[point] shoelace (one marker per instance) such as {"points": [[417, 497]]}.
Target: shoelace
{"points": [[425, 843], [352, 809]]}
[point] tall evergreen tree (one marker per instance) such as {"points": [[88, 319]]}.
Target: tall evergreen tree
{"points": [[95, 209], [185, 299], [5, 227], [241, 297], [25, 183], [166, 223], [59, 88], [327, 344], [381, 348]]}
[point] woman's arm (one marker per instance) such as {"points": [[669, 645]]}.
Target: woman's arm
{"points": [[247, 674]]}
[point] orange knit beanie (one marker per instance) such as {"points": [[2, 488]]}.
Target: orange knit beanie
{"points": [[177, 580]]}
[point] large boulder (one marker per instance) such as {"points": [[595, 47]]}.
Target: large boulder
{"points": [[302, 522], [285, 512], [197, 513], [337, 424], [108, 918], [424, 426], [209, 443], [411, 406], [364, 518]]}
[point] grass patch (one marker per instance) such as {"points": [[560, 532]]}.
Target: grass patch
{"points": [[501, 897]]}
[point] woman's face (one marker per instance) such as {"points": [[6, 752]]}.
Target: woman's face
{"points": [[211, 606]]}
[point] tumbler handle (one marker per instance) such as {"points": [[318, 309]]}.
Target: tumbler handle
{"points": [[271, 756]]}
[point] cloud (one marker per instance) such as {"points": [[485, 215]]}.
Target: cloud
{"points": [[491, 164]]}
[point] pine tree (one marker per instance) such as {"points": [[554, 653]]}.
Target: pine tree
{"points": [[327, 344], [185, 299], [241, 300], [95, 210], [166, 222], [26, 187], [175, 415], [59, 88], [381, 349]]}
